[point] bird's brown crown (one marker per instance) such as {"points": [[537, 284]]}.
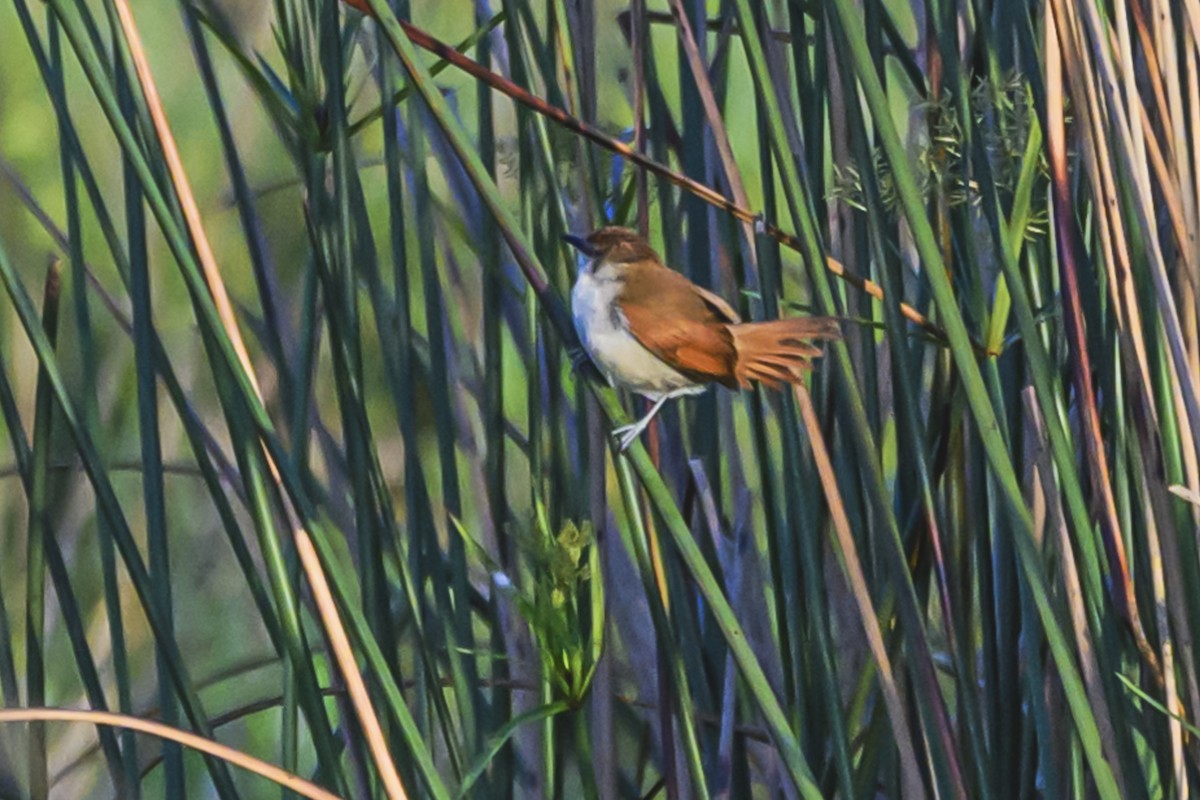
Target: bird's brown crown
{"points": [[620, 245]]}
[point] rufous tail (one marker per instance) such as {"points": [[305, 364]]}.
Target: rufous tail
{"points": [[779, 351]]}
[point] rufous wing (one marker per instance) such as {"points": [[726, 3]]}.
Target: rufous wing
{"points": [[701, 336], [678, 322], [718, 305]]}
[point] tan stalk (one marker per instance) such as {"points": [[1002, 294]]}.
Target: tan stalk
{"points": [[1150, 52], [1192, 14], [1141, 207], [1162, 172], [714, 198], [1192, 247], [914, 786], [1176, 116], [1072, 590], [345, 658], [186, 738], [715, 121], [1162, 619], [216, 284], [1185, 235], [1070, 260]]}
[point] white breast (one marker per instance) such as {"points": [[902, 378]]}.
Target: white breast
{"points": [[605, 334]]}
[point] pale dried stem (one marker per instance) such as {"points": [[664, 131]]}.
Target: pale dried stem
{"points": [[216, 285], [1142, 206], [715, 121], [344, 654], [186, 738], [1167, 648], [1072, 591], [852, 567]]}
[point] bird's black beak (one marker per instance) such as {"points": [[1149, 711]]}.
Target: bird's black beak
{"points": [[580, 244]]}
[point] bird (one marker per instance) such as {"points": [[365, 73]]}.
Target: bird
{"points": [[654, 332]]}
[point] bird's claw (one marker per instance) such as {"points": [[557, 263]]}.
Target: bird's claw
{"points": [[625, 436]]}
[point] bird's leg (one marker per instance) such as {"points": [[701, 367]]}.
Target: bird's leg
{"points": [[627, 433]]}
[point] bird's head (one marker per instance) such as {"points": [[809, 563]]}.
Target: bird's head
{"points": [[613, 244]]}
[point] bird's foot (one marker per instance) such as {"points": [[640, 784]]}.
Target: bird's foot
{"points": [[626, 435]]}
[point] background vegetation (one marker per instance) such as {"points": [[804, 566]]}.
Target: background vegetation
{"points": [[296, 459]]}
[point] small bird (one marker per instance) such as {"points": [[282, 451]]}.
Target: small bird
{"points": [[654, 332]]}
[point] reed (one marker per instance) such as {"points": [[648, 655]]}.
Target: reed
{"points": [[301, 457]]}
